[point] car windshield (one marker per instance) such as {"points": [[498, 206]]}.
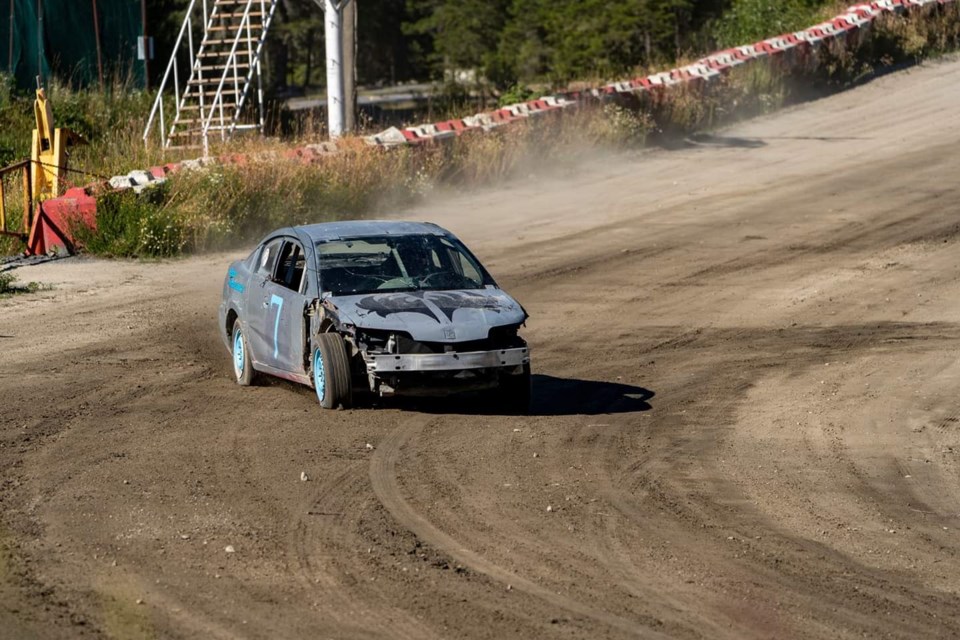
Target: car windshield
{"points": [[397, 263]]}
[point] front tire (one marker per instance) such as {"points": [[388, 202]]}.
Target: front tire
{"points": [[331, 371], [242, 364]]}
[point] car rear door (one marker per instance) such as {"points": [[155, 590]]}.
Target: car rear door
{"points": [[280, 327]]}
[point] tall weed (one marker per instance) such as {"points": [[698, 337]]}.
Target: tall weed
{"points": [[137, 225]]}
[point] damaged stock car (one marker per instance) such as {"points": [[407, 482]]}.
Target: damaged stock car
{"points": [[388, 308]]}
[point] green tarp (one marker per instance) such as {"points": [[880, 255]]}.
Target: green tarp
{"points": [[59, 37]]}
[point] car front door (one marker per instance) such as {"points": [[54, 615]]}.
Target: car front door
{"points": [[255, 313], [280, 327]]}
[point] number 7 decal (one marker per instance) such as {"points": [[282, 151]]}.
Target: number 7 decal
{"points": [[278, 301]]}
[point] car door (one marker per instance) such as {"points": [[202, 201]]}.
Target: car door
{"points": [[255, 314], [280, 328]]}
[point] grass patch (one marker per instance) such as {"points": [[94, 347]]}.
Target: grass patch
{"points": [[10, 287], [124, 616], [132, 224]]}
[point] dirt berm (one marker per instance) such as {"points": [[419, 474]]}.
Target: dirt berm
{"points": [[746, 418]]}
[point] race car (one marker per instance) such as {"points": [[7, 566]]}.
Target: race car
{"points": [[374, 307]]}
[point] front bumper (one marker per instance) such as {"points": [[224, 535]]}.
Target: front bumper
{"points": [[392, 363]]}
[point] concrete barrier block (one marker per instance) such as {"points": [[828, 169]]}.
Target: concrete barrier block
{"points": [[388, 138], [474, 121], [323, 148], [140, 187], [141, 177], [120, 182]]}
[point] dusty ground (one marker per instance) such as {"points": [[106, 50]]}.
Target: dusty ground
{"points": [[746, 420]]}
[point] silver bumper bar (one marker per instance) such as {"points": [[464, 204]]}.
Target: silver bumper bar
{"points": [[447, 361]]}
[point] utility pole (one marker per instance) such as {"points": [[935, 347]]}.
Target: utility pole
{"points": [[333, 11], [146, 45], [10, 59], [96, 34], [350, 66], [40, 52]]}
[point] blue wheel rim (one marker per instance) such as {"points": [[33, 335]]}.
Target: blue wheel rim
{"points": [[319, 379], [238, 353]]}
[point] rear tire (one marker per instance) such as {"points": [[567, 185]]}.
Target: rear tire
{"points": [[242, 364], [331, 371], [515, 392]]}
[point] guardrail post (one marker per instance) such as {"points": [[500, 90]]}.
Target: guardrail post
{"points": [[27, 198], [3, 207]]}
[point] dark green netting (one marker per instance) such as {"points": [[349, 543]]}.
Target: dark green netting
{"points": [[58, 37]]}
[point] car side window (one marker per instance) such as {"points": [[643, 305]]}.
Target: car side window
{"points": [[463, 265], [290, 267], [268, 259], [469, 270]]}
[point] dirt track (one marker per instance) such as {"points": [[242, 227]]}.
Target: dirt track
{"points": [[746, 420]]}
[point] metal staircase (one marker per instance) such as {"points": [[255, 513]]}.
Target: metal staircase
{"points": [[212, 82]]}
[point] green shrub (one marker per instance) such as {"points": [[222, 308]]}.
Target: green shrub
{"points": [[134, 225], [749, 21], [8, 286], [516, 94]]}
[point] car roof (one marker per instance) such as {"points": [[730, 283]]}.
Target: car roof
{"points": [[359, 228]]}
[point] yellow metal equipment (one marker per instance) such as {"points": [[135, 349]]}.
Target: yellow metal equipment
{"points": [[49, 155], [42, 174]]}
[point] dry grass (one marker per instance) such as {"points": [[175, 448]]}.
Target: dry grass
{"points": [[227, 205]]}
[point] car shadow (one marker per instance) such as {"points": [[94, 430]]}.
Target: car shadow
{"points": [[554, 396], [695, 140], [551, 396]]}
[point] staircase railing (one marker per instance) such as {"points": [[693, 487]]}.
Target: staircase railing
{"points": [[211, 114], [173, 73], [253, 55]]}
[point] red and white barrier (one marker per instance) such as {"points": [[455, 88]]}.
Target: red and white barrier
{"points": [[854, 18]]}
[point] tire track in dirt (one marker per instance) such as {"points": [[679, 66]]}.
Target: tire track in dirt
{"points": [[383, 478], [722, 279], [807, 346], [333, 508], [635, 490]]}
